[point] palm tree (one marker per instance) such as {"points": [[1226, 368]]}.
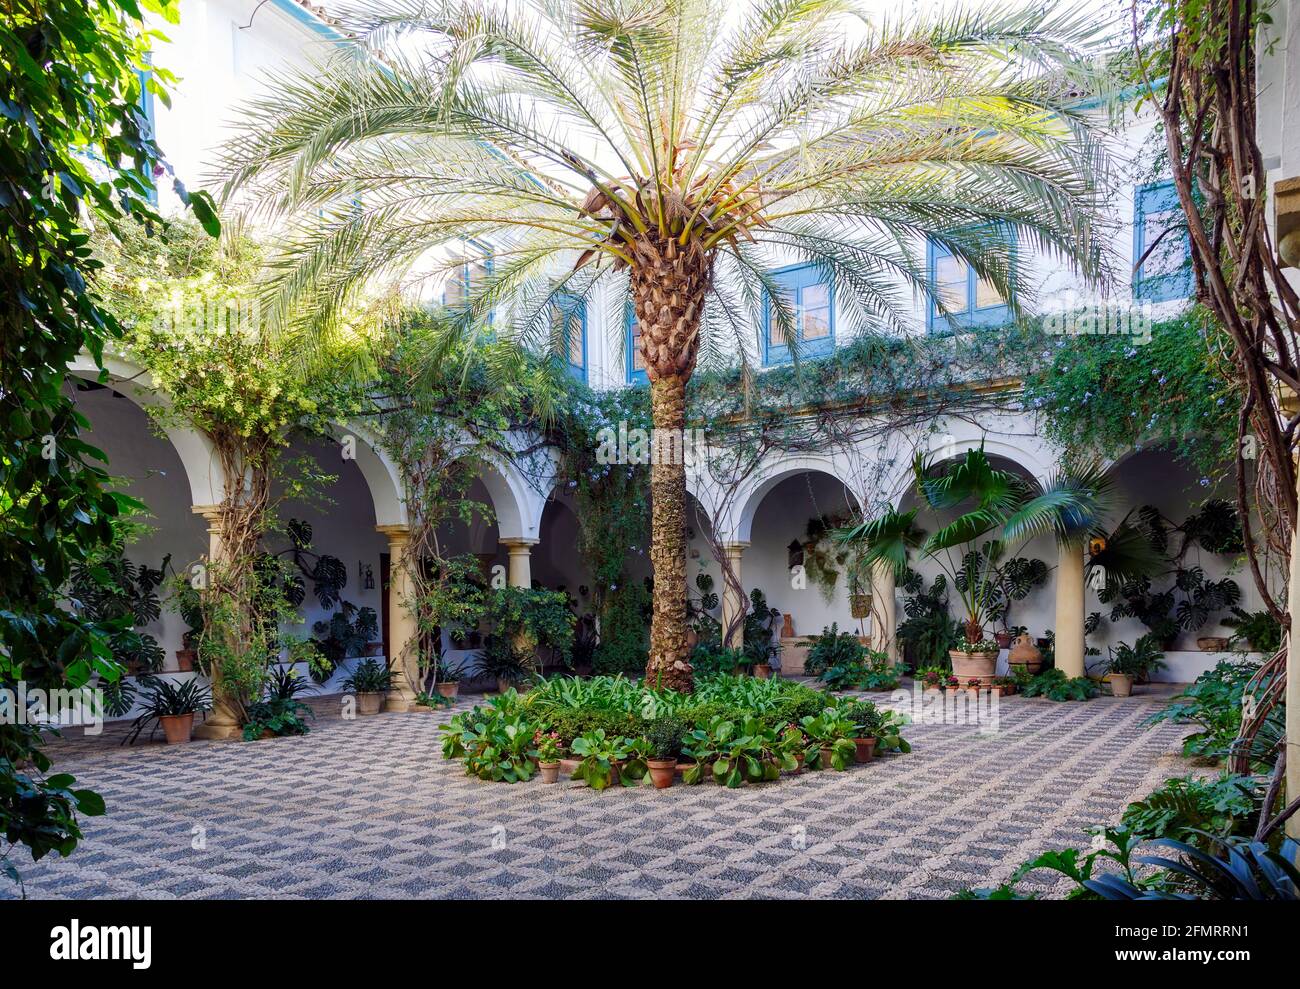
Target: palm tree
{"points": [[1002, 509], [692, 144]]}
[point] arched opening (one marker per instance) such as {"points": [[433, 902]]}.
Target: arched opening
{"points": [[1184, 606], [147, 466], [1029, 587], [791, 556]]}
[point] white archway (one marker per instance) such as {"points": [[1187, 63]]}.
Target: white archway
{"points": [[735, 525], [197, 456], [382, 476]]}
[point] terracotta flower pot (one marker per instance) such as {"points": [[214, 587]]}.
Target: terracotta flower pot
{"points": [[1003, 639], [374, 648], [550, 772], [369, 702], [177, 727], [662, 772], [185, 660], [787, 626], [866, 748], [447, 689], [827, 755], [975, 664], [503, 685], [763, 671], [798, 770], [1121, 685]]}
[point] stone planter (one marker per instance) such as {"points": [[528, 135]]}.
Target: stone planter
{"points": [[447, 689], [550, 772], [369, 702], [966, 665], [866, 749], [177, 727], [794, 651], [1121, 685], [662, 772]]}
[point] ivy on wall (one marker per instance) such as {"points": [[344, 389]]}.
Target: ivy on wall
{"points": [[1113, 394]]}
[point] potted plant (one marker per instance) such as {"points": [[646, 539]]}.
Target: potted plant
{"points": [[664, 735], [280, 713], [549, 751], [831, 649], [447, 677], [1259, 631], [867, 720], [172, 706], [607, 759], [185, 601], [830, 740], [508, 665], [1128, 663], [370, 681]]}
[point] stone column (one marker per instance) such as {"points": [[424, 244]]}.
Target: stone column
{"points": [[733, 601], [1069, 611], [520, 572], [884, 632], [403, 637], [223, 720]]}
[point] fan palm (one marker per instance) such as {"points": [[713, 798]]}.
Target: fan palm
{"points": [[996, 504], [694, 145]]}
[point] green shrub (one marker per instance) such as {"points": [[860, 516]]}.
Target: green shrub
{"points": [[1056, 686], [1213, 703], [572, 722], [665, 736], [1188, 808], [833, 648]]}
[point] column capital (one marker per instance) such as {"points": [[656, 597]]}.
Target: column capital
{"points": [[395, 533], [517, 544], [209, 512], [737, 546]]}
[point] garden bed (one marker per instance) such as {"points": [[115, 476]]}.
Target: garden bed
{"points": [[611, 730]]}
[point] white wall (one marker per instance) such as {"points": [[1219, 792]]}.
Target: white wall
{"points": [[150, 471]]}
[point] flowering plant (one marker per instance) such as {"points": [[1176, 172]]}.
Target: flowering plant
{"points": [[548, 746]]}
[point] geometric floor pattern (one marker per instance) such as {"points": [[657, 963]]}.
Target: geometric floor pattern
{"points": [[369, 809]]}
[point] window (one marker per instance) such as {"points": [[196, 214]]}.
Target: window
{"points": [[968, 299], [1160, 227], [632, 346], [149, 115], [473, 271], [569, 332], [813, 301]]}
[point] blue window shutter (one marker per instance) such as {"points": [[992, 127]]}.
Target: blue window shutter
{"points": [[635, 375], [1174, 251], [813, 299], [971, 314]]}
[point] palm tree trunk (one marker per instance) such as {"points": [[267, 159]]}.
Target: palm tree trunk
{"points": [[668, 284], [669, 664]]}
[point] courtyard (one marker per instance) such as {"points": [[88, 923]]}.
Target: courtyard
{"points": [[369, 809]]}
